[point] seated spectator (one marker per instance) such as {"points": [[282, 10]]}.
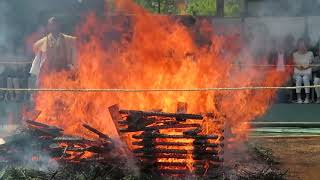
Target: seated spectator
{"points": [[302, 59], [316, 71]]}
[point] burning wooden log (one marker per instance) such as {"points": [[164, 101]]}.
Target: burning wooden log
{"points": [[162, 114], [193, 132], [100, 134], [157, 135], [71, 139], [35, 123], [175, 151], [44, 129], [115, 115], [152, 143], [130, 121], [157, 150], [165, 164], [150, 128], [164, 156]]}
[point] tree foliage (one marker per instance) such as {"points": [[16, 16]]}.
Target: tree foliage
{"points": [[201, 7], [193, 7], [232, 8], [166, 6]]}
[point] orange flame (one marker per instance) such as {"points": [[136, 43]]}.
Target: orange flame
{"points": [[150, 51]]}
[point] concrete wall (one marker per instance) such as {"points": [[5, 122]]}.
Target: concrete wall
{"points": [[292, 113]]}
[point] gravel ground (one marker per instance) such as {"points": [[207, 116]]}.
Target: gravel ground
{"points": [[299, 155]]}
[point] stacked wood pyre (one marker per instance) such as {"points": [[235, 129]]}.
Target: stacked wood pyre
{"points": [[174, 144]]}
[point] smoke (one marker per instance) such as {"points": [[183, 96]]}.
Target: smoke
{"points": [[276, 20], [4, 30], [25, 151]]}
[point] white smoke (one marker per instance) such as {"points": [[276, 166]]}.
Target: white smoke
{"points": [[4, 31]]}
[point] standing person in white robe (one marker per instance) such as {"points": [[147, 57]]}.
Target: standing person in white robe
{"points": [[54, 53]]}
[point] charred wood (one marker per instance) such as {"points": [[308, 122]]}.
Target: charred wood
{"points": [[35, 123], [150, 128], [157, 135], [152, 143], [100, 134], [167, 164], [163, 156], [45, 131], [176, 151], [193, 132], [161, 114]]}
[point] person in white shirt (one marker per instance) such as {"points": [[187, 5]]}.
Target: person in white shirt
{"points": [[302, 59]]}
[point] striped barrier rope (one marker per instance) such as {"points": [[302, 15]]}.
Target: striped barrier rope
{"points": [[110, 90]]}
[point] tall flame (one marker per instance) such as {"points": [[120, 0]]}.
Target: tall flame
{"points": [[146, 51]]}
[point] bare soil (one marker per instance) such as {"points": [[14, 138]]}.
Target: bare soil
{"points": [[299, 155]]}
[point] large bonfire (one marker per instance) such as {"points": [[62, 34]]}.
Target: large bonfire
{"points": [[153, 52]]}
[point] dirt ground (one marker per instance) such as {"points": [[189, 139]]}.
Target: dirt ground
{"points": [[299, 155]]}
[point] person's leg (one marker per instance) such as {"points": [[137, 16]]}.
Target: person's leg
{"points": [[317, 82], [298, 79], [32, 84], [2, 85], [16, 85], [306, 82], [9, 94]]}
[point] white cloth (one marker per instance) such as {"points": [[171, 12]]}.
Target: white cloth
{"points": [[303, 77], [303, 60], [37, 63], [280, 62]]}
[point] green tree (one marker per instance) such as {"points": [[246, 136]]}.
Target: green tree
{"points": [[232, 8], [201, 7], [159, 6]]}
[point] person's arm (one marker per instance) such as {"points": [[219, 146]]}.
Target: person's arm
{"points": [[308, 66], [295, 62]]}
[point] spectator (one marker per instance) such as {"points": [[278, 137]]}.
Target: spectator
{"points": [[289, 43], [316, 71], [2, 80], [302, 59], [279, 57]]}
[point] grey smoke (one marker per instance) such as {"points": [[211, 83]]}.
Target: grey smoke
{"points": [[4, 31]]}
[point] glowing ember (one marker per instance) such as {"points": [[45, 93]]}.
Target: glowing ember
{"points": [[153, 52]]}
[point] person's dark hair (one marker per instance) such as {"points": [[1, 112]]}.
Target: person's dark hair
{"points": [[54, 20], [301, 40]]}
